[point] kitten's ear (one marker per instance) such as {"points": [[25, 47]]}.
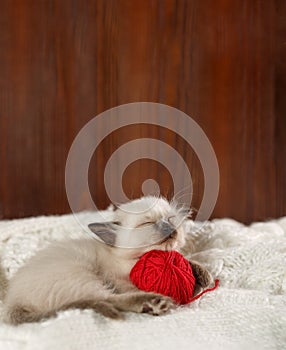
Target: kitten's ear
{"points": [[105, 231]]}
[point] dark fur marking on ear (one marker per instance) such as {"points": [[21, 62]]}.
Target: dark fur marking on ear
{"points": [[104, 231]]}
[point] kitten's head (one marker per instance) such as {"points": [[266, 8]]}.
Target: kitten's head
{"points": [[142, 225]]}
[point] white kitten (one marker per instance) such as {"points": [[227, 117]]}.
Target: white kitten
{"points": [[89, 273]]}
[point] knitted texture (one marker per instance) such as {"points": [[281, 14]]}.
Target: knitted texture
{"points": [[247, 311]]}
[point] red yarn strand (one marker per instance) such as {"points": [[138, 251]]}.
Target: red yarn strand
{"points": [[205, 291]]}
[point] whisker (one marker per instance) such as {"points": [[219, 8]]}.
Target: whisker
{"points": [[181, 190]]}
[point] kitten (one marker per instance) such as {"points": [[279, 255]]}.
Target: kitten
{"points": [[93, 273]]}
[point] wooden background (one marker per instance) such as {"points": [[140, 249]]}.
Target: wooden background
{"points": [[222, 62]]}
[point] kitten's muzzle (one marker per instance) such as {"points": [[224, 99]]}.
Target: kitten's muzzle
{"points": [[166, 229]]}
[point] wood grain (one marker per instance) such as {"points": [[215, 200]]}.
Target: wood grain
{"points": [[221, 62]]}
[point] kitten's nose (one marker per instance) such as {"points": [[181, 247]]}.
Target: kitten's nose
{"points": [[173, 234]]}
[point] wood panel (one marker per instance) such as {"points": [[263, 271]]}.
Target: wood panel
{"points": [[221, 62]]}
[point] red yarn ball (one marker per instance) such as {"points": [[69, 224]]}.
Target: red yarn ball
{"points": [[167, 273]]}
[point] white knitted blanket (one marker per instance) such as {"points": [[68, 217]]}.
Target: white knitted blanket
{"points": [[247, 311]]}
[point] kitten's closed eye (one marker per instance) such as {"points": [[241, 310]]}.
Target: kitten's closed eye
{"points": [[118, 223], [146, 223]]}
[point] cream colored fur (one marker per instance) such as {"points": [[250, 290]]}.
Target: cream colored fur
{"points": [[87, 273]]}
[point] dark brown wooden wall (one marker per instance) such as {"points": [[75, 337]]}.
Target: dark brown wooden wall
{"points": [[221, 62]]}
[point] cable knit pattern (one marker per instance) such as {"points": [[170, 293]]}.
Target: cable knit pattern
{"points": [[247, 311]]}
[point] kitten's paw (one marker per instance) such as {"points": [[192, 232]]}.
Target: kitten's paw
{"points": [[108, 310], [206, 279], [202, 276], [157, 304]]}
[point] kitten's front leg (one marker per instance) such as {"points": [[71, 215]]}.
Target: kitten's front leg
{"points": [[142, 302]]}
